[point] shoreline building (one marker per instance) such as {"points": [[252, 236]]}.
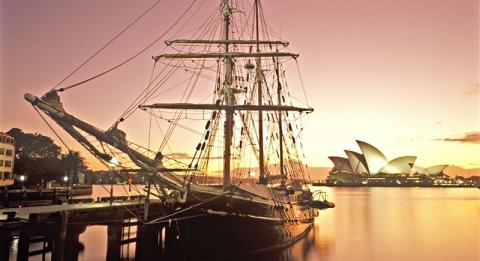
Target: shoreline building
{"points": [[7, 159], [371, 167]]}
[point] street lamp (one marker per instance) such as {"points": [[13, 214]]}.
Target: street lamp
{"points": [[22, 179], [65, 179]]}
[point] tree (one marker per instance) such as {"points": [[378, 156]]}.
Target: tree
{"points": [[39, 158], [36, 156], [34, 145], [72, 163]]}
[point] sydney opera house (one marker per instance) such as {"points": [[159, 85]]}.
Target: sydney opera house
{"points": [[371, 166]]}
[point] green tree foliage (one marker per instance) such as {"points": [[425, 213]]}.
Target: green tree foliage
{"points": [[39, 158]]}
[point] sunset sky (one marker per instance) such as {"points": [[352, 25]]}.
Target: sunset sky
{"points": [[401, 75]]}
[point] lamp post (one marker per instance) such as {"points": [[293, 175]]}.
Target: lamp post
{"points": [[65, 179], [22, 179]]}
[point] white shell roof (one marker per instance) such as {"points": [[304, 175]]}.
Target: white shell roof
{"points": [[340, 163], [357, 162], [374, 157], [400, 165], [433, 170]]}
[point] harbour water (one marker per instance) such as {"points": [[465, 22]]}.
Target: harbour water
{"points": [[366, 224], [400, 224]]}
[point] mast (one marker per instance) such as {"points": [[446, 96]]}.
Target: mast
{"points": [[280, 127], [260, 113], [228, 98]]}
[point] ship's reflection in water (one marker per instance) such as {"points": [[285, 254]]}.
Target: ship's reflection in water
{"points": [[366, 224], [309, 248]]}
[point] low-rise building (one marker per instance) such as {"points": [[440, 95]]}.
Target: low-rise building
{"points": [[7, 159]]}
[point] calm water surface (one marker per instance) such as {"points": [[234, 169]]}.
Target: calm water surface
{"points": [[399, 224], [368, 224]]}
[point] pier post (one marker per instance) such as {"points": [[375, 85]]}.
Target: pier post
{"points": [[24, 243], [147, 242], [4, 243], [58, 250], [111, 192], [146, 205], [72, 242], [114, 232]]}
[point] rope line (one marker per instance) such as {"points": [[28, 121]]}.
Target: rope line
{"points": [[132, 57], [51, 128], [301, 81], [108, 43]]}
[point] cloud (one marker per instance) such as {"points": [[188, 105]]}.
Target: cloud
{"points": [[183, 155], [469, 137], [179, 155]]}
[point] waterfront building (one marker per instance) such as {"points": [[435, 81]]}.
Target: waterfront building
{"points": [[372, 167], [7, 158], [371, 161]]}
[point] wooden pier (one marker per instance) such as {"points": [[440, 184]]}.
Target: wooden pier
{"points": [[27, 197], [58, 227]]}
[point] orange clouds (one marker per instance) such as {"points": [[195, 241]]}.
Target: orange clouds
{"points": [[470, 137]]}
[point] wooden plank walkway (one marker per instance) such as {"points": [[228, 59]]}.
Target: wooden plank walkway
{"points": [[25, 212], [59, 227]]}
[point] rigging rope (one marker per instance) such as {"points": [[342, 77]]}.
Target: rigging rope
{"points": [[301, 81], [132, 57], [186, 94], [51, 128], [108, 43], [148, 92]]}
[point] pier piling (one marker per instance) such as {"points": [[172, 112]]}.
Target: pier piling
{"points": [[4, 243], [58, 227], [114, 232], [24, 242], [61, 234]]}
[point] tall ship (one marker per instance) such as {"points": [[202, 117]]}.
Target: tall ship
{"points": [[244, 182]]}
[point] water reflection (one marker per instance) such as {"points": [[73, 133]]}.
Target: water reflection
{"points": [[366, 224], [402, 224]]}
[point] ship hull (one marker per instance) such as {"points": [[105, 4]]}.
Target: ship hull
{"points": [[213, 236], [233, 228], [230, 237]]}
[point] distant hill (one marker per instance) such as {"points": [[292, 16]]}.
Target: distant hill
{"points": [[453, 171], [318, 173]]}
